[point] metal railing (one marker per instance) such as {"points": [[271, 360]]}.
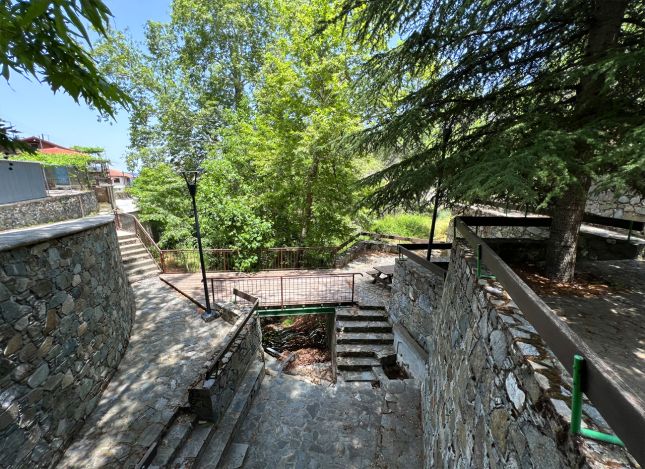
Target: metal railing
{"points": [[619, 405], [226, 260], [127, 222], [283, 291]]}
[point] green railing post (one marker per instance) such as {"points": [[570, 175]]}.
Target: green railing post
{"points": [[478, 252], [576, 408]]}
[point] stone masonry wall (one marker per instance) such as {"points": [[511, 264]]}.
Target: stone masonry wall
{"points": [[49, 210], [416, 293], [66, 312], [212, 395], [608, 204], [494, 396]]}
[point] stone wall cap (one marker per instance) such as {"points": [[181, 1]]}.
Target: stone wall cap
{"points": [[35, 235]]}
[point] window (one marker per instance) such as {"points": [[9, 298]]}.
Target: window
{"points": [[116, 180]]}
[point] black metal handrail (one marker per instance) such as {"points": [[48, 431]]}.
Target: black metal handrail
{"points": [[621, 407]]}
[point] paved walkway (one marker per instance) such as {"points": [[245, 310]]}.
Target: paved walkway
{"points": [[613, 325], [295, 424], [168, 349]]}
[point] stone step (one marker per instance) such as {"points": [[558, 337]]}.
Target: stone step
{"points": [[352, 376], [356, 363], [355, 314], [138, 277], [144, 268], [136, 261], [125, 235], [208, 443], [363, 326], [364, 338], [234, 458], [128, 242], [174, 439], [364, 350], [132, 248]]}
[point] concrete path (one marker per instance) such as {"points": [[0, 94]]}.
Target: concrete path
{"points": [[295, 424], [169, 347]]}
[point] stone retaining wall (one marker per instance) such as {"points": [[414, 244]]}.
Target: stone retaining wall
{"points": [[66, 312], [416, 293], [494, 394], [48, 210], [608, 204], [210, 397], [363, 247]]}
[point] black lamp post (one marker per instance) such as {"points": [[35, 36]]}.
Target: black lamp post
{"points": [[191, 182]]}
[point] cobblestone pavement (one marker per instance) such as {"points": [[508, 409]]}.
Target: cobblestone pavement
{"points": [[295, 424], [368, 293], [169, 347], [612, 325]]}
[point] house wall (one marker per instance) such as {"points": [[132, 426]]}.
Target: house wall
{"points": [[21, 180], [66, 312], [47, 210], [493, 393]]}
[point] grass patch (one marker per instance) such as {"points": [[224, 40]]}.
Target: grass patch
{"points": [[412, 225]]}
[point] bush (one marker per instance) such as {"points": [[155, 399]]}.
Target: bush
{"points": [[413, 225]]}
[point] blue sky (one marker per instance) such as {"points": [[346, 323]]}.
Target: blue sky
{"points": [[33, 109]]}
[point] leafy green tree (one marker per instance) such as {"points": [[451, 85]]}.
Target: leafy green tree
{"points": [[526, 102], [43, 39], [247, 91], [189, 73], [292, 140]]}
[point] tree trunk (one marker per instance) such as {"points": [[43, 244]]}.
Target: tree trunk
{"points": [[566, 220], [309, 199], [604, 28]]}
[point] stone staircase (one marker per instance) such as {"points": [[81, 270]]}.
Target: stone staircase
{"points": [[137, 261], [364, 342], [193, 443]]}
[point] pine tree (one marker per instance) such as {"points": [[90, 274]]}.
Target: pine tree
{"points": [[508, 101]]}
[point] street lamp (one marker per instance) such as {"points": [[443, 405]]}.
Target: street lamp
{"points": [[191, 182]]}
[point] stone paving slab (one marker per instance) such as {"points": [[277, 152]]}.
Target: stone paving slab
{"points": [[295, 424], [169, 347], [613, 325]]}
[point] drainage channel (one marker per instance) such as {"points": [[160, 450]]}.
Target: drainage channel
{"points": [[330, 344], [301, 340]]}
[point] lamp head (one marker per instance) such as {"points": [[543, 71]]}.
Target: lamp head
{"points": [[191, 181]]}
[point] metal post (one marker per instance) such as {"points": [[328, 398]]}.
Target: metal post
{"points": [[434, 221], [281, 293], [576, 408], [353, 281], [191, 181]]}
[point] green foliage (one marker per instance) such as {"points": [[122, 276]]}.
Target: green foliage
{"points": [[247, 91], [96, 151], [42, 39], [505, 101], [55, 159], [413, 225], [225, 220], [506, 80]]}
